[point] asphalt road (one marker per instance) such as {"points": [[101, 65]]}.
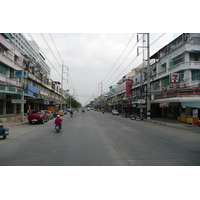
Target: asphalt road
{"points": [[96, 139]]}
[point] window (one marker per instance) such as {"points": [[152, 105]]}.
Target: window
{"points": [[163, 67], [196, 75], [178, 59], [165, 81], [11, 89], [3, 70], [194, 56], [2, 87]]}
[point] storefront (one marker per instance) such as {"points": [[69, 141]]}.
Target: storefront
{"points": [[185, 109]]}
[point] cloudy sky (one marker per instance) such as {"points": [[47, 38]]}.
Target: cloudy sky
{"points": [[90, 37], [93, 59]]}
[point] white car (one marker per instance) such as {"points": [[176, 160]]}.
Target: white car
{"points": [[115, 112]]}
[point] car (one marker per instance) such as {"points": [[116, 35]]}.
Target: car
{"points": [[115, 112], [49, 114], [37, 116]]}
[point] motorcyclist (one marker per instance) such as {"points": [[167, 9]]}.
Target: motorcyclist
{"points": [[71, 113], [58, 121]]}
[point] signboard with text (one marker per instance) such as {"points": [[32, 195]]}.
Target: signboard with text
{"points": [[128, 88]]}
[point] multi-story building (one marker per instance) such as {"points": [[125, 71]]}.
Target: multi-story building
{"points": [[16, 52], [10, 86], [174, 78]]}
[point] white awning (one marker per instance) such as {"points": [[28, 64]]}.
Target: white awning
{"points": [[177, 99]]}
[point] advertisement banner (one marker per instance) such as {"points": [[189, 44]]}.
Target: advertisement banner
{"points": [[128, 88]]}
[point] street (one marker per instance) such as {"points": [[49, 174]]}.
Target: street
{"points": [[96, 139]]}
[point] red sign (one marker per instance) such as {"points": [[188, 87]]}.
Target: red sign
{"points": [[174, 78], [127, 106], [128, 88]]}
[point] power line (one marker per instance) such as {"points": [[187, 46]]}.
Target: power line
{"points": [[50, 49], [55, 45], [44, 54], [120, 56], [139, 54]]}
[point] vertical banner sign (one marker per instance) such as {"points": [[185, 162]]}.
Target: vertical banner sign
{"points": [[174, 78], [128, 88]]}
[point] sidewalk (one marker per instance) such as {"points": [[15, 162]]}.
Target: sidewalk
{"points": [[170, 122], [12, 124]]}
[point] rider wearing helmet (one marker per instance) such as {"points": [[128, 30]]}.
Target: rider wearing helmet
{"points": [[58, 121]]}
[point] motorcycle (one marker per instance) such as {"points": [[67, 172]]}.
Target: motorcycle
{"points": [[58, 128], [136, 117]]}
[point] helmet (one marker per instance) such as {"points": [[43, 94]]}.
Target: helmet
{"points": [[58, 115]]}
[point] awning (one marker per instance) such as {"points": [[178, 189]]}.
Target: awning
{"points": [[177, 99], [190, 104]]}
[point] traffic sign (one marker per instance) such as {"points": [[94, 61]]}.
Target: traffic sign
{"points": [[18, 101]]}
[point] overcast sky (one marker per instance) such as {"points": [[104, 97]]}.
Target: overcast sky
{"points": [[90, 36], [93, 58]]}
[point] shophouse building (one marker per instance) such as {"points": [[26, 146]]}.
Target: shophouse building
{"points": [[16, 52], [174, 80]]}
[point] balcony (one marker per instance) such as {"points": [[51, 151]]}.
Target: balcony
{"points": [[184, 66]]}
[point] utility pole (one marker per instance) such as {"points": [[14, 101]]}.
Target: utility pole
{"points": [[148, 80], [148, 93], [62, 87], [22, 93], [101, 93]]}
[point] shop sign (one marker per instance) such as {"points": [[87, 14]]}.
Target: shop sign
{"points": [[18, 74], [174, 86], [174, 78], [128, 88], [142, 101], [18, 101], [127, 106], [164, 105]]}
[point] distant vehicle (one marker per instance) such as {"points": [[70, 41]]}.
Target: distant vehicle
{"points": [[37, 116], [88, 109], [49, 114], [115, 112]]}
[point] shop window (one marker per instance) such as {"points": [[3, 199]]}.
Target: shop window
{"points": [[1, 107], [18, 108], [9, 107]]}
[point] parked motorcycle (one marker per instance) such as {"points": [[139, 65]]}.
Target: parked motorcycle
{"points": [[136, 117]]}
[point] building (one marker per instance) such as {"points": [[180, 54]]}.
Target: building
{"points": [[17, 53], [174, 80]]}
